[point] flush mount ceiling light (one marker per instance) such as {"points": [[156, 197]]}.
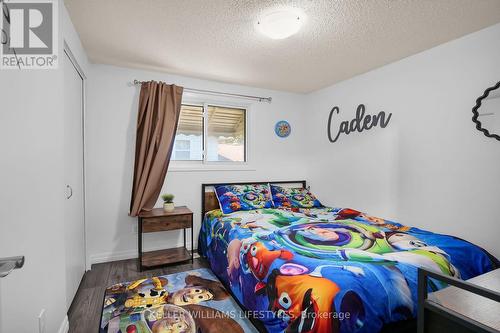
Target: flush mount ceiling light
{"points": [[281, 24]]}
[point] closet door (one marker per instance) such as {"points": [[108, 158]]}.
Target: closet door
{"points": [[74, 177]]}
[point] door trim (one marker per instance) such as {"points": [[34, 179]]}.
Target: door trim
{"points": [[79, 70]]}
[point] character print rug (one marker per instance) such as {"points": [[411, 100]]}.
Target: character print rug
{"points": [[193, 301]]}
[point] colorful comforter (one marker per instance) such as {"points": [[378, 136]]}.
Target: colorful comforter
{"points": [[329, 269]]}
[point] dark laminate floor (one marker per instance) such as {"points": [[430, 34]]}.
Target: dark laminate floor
{"points": [[85, 311]]}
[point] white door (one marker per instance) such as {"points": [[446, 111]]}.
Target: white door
{"points": [[73, 155]]}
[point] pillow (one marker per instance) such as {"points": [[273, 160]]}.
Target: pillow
{"points": [[243, 197], [294, 197]]}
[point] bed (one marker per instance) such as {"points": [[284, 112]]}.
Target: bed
{"points": [[327, 269]]}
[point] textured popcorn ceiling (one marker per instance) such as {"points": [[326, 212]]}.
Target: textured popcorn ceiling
{"points": [[216, 39]]}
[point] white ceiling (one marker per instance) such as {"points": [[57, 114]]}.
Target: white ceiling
{"points": [[216, 39]]}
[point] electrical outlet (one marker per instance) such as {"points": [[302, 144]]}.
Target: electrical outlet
{"points": [[42, 318]]}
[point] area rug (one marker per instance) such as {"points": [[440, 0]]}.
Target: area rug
{"points": [[194, 301]]}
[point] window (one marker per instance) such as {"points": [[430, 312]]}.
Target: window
{"points": [[188, 145], [182, 149], [210, 133], [225, 134]]}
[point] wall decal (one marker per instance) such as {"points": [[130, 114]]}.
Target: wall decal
{"points": [[282, 128], [360, 123]]}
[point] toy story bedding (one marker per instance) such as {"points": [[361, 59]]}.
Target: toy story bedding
{"points": [[329, 269], [187, 302]]}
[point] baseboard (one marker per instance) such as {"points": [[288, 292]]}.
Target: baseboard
{"points": [[64, 328], [122, 255]]}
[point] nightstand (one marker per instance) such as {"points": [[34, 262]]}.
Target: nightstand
{"points": [[470, 306], [159, 220]]}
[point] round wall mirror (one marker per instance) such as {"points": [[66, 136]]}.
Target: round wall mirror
{"points": [[487, 112]]}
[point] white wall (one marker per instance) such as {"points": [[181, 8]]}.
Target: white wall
{"points": [[32, 196], [111, 123], [32, 191], [430, 167], [491, 120]]}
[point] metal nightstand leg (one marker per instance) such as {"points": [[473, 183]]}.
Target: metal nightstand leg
{"points": [[192, 242], [139, 236]]}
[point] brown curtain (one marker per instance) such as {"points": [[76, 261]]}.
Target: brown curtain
{"points": [[159, 109]]}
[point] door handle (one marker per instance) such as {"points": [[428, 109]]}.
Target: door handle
{"points": [[7, 265], [70, 191]]}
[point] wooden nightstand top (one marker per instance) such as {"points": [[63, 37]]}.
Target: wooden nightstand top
{"points": [[160, 212]]}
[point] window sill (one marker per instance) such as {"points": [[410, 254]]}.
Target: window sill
{"points": [[209, 167]]}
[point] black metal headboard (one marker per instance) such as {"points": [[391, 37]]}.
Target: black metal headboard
{"points": [[208, 197]]}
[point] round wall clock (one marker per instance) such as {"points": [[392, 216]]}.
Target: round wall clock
{"points": [[282, 128]]}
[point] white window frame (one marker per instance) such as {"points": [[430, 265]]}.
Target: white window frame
{"points": [[204, 165]]}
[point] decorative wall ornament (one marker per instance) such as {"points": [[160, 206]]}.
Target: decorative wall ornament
{"points": [[360, 123], [487, 111], [282, 128]]}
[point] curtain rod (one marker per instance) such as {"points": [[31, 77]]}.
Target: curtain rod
{"points": [[218, 93]]}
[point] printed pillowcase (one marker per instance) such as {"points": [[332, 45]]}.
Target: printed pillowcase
{"points": [[294, 197], [233, 198]]}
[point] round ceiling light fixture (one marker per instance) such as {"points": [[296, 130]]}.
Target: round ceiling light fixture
{"points": [[281, 24]]}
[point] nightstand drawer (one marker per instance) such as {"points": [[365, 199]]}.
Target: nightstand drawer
{"points": [[153, 224]]}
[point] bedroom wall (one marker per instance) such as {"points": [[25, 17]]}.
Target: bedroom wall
{"points": [[32, 197], [491, 121], [111, 122], [32, 191], [429, 168]]}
